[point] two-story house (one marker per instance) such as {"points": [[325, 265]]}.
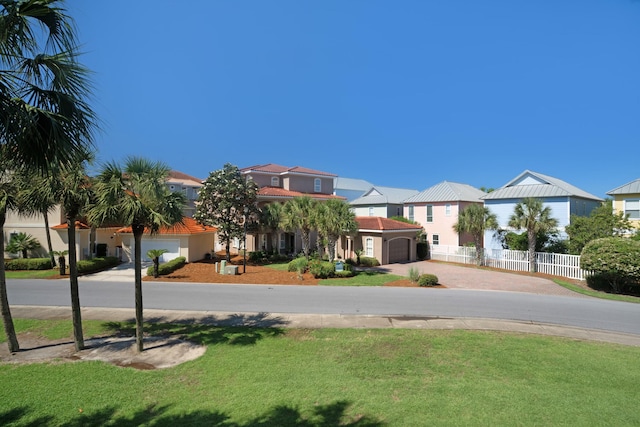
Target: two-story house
{"points": [[437, 208], [384, 202], [626, 199]]}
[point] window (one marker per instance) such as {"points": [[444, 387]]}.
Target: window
{"points": [[283, 241], [236, 243], [263, 242], [410, 213], [632, 208], [436, 239], [275, 181], [317, 185], [370, 211], [429, 213], [368, 247], [447, 209]]}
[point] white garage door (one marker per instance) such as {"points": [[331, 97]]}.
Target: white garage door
{"points": [[171, 245]]}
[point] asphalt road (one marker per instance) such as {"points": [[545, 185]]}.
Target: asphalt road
{"points": [[587, 313]]}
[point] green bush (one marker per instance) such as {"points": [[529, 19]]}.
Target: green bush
{"points": [[615, 260], [366, 261], [96, 264], [28, 264], [427, 280], [300, 265], [168, 267], [414, 274], [422, 250], [322, 269]]}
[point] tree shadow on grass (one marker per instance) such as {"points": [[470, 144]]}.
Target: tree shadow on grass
{"points": [[237, 329], [333, 414]]}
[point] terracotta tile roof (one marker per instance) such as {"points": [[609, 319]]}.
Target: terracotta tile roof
{"points": [[176, 176], [281, 170], [379, 223], [188, 226], [63, 226], [281, 193]]}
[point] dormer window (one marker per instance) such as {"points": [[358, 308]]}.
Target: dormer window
{"points": [[275, 181], [317, 185]]}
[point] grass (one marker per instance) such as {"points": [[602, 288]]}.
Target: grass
{"points": [[31, 274], [328, 377], [595, 293], [363, 278]]}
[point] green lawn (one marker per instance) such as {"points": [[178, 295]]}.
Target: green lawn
{"points": [[328, 377], [31, 274]]}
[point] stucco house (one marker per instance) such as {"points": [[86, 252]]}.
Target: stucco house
{"points": [[379, 201], [387, 240], [561, 197], [626, 198], [437, 209]]}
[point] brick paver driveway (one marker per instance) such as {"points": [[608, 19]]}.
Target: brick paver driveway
{"points": [[468, 277]]}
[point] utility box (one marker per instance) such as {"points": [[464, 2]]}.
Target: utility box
{"points": [[231, 269], [223, 264]]}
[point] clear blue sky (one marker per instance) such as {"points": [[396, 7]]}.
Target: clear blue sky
{"points": [[399, 93]]}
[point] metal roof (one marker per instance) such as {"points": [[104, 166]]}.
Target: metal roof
{"points": [[384, 196], [632, 187], [448, 192], [340, 183], [547, 186]]}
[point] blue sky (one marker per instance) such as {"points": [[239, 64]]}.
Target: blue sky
{"points": [[399, 93]]}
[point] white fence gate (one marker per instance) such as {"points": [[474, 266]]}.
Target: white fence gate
{"points": [[553, 264]]}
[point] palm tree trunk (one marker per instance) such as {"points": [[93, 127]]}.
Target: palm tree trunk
{"points": [[532, 251], [7, 320], [73, 282], [48, 234], [138, 230]]}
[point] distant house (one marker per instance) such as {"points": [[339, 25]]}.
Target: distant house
{"points": [[350, 188], [437, 209], [387, 240], [561, 197], [188, 185], [278, 184], [381, 201], [626, 199]]}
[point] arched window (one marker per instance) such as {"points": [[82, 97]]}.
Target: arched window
{"points": [[317, 185], [275, 181]]}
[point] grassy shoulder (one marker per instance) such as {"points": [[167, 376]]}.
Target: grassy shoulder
{"points": [[594, 293], [356, 377], [361, 278]]}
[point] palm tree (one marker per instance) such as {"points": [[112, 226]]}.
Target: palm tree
{"points": [[22, 243], [335, 219], [531, 215], [61, 261], [155, 255], [45, 118], [297, 214], [475, 219], [270, 217], [136, 195], [8, 201]]}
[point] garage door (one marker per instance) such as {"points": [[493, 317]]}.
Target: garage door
{"points": [[399, 250], [171, 245]]}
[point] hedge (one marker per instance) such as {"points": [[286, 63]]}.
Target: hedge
{"points": [[96, 264], [426, 280], [28, 264], [168, 267]]}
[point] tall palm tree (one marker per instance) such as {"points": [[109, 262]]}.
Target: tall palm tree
{"points": [[475, 219], [8, 201], [45, 117], [530, 214], [136, 195], [335, 219], [297, 214], [270, 216]]}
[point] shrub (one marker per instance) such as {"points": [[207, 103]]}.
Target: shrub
{"points": [[414, 274], [615, 260], [300, 265], [427, 280], [422, 250], [322, 269], [28, 264], [168, 267], [366, 261], [96, 264]]}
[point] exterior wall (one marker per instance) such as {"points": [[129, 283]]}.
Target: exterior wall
{"points": [[200, 245], [442, 224], [263, 180], [193, 248], [394, 210], [346, 247], [618, 205], [380, 210], [305, 184]]}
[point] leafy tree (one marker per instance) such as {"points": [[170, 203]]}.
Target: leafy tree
{"points": [[155, 255], [45, 117], [8, 201], [22, 243], [222, 201], [335, 219], [135, 194], [545, 242], [613, 259], [475, 219], [602, 222], [531, 215], [298, 214]]}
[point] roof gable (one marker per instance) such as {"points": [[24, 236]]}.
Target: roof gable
{"points": [[448, 192], [384, 196], [537, 185], [632, 187]]}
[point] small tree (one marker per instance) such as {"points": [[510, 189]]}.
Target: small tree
{"points": [[61, 260], [613, 259], [22, 243], [475, 219], [155, 255]]}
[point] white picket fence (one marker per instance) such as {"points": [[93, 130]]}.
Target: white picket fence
{"points": [[554, 264]]}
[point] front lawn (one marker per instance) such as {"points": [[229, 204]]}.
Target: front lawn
{"points": [[329, 377]]}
